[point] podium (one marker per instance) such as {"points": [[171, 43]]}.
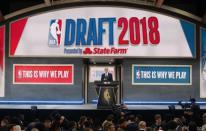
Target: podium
{"points": [[106, 94]]}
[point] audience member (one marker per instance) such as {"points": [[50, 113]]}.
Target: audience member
{"points": [[158, 122], [142, 126], [122, 125], [132, 123]]}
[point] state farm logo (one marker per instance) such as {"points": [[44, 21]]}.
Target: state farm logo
{"points": [[113, 50], [87, 51], [55, 28]]}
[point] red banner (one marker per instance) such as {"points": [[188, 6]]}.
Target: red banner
{"points": [[42, 74], [2, 47], [2, 36]]}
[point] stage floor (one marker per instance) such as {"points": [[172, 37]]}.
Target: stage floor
{"points": [[89, 107]]}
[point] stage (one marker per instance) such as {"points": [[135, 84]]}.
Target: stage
{"points": [[89, 107]]}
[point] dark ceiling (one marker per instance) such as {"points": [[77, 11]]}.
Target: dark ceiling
{"points": [[196, 7]]}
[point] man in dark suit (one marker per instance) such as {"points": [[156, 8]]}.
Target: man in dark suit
{"points": [[107, 76]]}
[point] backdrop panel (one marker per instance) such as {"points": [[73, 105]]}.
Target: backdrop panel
{"points": [[44, 92], [163, 91]]}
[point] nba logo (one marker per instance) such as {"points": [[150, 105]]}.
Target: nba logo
{"points": [[55, 28], [138, 74]]}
